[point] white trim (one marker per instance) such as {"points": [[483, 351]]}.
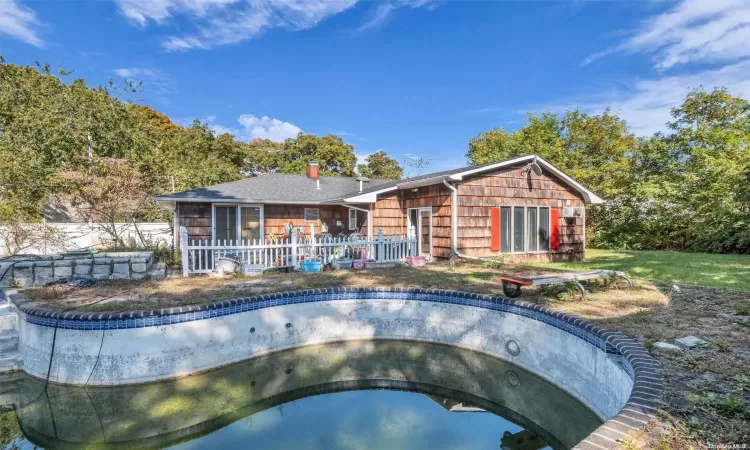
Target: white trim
{"points": [[509, 162], [417, 229], [588, 196], [369, 224], [238, 231], [234, 201], [370, 197]]}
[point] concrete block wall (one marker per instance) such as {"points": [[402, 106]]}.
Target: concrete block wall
{"points": [[34, 272]]}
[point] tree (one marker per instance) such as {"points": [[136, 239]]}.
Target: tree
{"points": [[709, 155], [263, 156], [108, 192], [380, 165], [491, 146], [593, 149], [50, 125], [334, 157]]}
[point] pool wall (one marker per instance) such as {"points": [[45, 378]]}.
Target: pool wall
{"points": [[608, 372]]}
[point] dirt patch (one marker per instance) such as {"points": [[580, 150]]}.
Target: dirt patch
{"points": [[707, 389]]}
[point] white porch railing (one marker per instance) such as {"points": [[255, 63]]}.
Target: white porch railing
{"points": [[200, 256]]}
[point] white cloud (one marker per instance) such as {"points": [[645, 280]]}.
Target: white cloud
{"points": [[179, 44], [139, 73], [222, 22], [385, 8], [18, 22], [251, 127], [699, 43], [646, 106], [141, 11], [692, 31], [266, 128]]}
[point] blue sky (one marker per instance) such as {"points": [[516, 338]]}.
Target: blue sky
{"points": [[411, 77]]}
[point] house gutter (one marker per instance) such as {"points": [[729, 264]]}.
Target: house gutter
{"points": [[454, 221], [235, 201]]}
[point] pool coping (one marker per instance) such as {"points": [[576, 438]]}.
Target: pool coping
{"points": [[638, 411]]}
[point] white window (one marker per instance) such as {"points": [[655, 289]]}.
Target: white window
{"points": [[352, 219], [524, 229], [311, 214]]}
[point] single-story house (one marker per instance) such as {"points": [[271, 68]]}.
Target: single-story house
{"points": [[523, 208]]}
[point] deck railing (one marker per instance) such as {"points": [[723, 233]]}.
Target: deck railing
{"points": [[200, 256]]}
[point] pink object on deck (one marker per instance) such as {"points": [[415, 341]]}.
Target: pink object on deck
{"points": [[416, 261]]}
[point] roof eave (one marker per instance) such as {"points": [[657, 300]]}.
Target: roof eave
{"points": [[253, 201], [588, 196]]}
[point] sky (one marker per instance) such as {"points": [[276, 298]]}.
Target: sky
{"points": [[415, 78]]}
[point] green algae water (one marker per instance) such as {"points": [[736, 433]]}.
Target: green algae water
{"points": [[352, 395]]}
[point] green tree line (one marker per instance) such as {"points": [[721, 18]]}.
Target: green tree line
{"points": [[687, 188], [54, 129]]}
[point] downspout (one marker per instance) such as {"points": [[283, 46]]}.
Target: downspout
{"points": [[454, 222], [454, 217]]}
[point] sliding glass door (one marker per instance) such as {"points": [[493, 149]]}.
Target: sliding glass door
{"points": [[235, 223], [225, 224], [250, 222]]}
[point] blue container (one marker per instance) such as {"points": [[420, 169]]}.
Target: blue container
{"points": [[310, 266]]}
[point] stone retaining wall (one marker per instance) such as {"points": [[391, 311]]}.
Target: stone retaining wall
{"points": [[34, 272]]}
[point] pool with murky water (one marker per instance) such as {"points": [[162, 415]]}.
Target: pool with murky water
{"points": [[348, 395]]}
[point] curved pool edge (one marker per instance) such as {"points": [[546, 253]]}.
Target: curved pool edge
{"points": [[644, 370]]}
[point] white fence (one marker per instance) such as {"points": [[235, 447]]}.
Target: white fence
{"points": [[201, 256], [79, 236]]}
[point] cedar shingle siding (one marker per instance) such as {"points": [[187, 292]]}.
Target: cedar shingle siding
{"points": [[508, 187], [196, 217]]}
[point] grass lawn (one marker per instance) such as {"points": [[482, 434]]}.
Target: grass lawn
{"points": [[728, 271], [707, 390]]}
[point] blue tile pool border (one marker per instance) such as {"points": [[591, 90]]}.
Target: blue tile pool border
{"points": [[640, 366]]}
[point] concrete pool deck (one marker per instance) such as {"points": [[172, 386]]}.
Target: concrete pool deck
{"points": [[607, 371]]}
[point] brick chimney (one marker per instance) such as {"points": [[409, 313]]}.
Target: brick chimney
{"points": [[312, 170]]}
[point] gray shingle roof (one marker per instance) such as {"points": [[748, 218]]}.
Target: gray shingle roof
{"points": [[287, 188], [277, 188]]}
